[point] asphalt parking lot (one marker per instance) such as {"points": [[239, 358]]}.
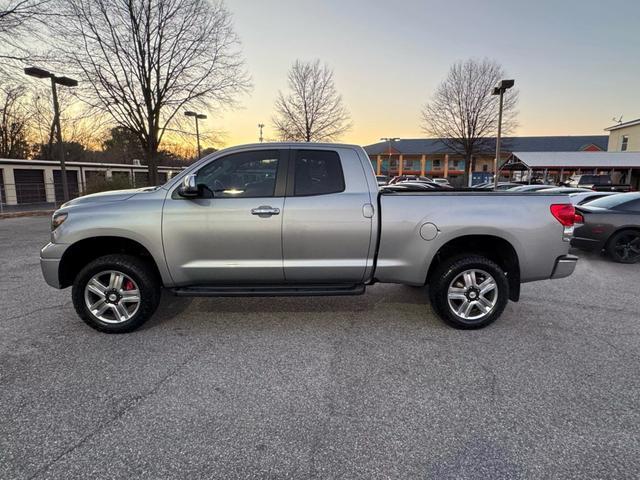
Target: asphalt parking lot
{"points": [[347, 387]]}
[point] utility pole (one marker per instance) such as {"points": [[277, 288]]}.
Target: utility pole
{"points": [[502, 87], [496, 160], [198, 138], [261, 126], [56, 120], [197, 116], [67, 82]]}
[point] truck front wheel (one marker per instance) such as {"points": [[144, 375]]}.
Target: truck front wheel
{"points": [[116, 293], [468, 291]]}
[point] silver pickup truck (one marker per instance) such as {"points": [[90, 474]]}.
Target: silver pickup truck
{"points": [[301, 219]]}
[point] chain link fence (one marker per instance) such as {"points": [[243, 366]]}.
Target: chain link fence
{"points": [[26, 197]]}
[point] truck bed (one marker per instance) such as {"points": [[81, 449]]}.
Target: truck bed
{"points": [[414, 226]]}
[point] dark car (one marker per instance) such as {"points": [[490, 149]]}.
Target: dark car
{"points": [[611, 223], [600, 183]]}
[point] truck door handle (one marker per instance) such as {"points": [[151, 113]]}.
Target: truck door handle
{"points": [[265, 211]]}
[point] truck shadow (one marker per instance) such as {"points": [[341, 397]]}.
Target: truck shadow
{"points": [[383, 299]]}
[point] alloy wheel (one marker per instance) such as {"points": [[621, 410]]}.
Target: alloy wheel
{"points": [[627, 247], [112, 296], [473, 294]]}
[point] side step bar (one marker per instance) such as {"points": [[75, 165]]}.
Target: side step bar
{"points": [[268, 290]]}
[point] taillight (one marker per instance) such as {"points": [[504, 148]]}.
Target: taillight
{"points": [[567, 216], [578, 218], [565, 213]]}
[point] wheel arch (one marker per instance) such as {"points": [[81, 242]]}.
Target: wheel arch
{"points": [[495, 248], [624, 228], [80, 253]]}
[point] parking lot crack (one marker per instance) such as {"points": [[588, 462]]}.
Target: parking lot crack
{"points": [[135, 401], [338, 344], [38, 310]]}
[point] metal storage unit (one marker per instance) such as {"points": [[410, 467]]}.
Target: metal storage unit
{"points": [[141, 179], [2, 194], [30, 187], [72, 184]]}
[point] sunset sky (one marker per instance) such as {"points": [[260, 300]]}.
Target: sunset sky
{"points": [[575, 62]]}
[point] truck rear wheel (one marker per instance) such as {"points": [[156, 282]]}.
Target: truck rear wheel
{"points": [[469, 291], [116, 293]]}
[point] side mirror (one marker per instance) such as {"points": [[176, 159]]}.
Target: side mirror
{"points": [[189, 187]]}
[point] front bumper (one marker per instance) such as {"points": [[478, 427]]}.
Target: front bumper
{"points": [[50, 271], [50, 257], [565, 265]]}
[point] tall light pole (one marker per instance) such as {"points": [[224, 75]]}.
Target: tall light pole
{"points": [[390, 140], [66, 82], [197, 116], [499, 89], [261, 126]]}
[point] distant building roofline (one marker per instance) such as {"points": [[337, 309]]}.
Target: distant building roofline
{"points": [[53, 163], [621, 160], [630, 123], [486, 146]]}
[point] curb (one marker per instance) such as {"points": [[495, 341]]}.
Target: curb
{"points": [[35, 213]]}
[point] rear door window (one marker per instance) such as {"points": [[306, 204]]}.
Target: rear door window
{"points": [[317, 172]]}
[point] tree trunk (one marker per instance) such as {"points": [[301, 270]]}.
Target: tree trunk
{"points": [[151, 153], [152, 163], [468, 162]]}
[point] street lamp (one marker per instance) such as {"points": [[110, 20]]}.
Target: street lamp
{"points": [[390, 140], [197, 116], [65, 82], [499, 89], [260, 127]]}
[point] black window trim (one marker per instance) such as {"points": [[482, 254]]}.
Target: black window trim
{"points": [[281, 173], [291, 177]]}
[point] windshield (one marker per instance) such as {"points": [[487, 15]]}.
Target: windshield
{"points": [[594, 179], [612, 201]]}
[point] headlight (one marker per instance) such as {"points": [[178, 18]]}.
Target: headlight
{"points": [[58, 219]]}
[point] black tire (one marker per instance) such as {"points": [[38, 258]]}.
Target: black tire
{"points": [[448, 271], [148, 285], [624, 246]]}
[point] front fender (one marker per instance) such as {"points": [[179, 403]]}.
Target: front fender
{"points": [[138, 219]]}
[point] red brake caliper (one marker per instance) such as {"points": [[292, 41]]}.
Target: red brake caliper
{"points": [[128, 285]]}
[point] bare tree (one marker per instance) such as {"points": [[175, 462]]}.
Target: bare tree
{"points": [[20, 23], [14, 122], [462, 111], [78, 125], [141, 62], [312, 111]]}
